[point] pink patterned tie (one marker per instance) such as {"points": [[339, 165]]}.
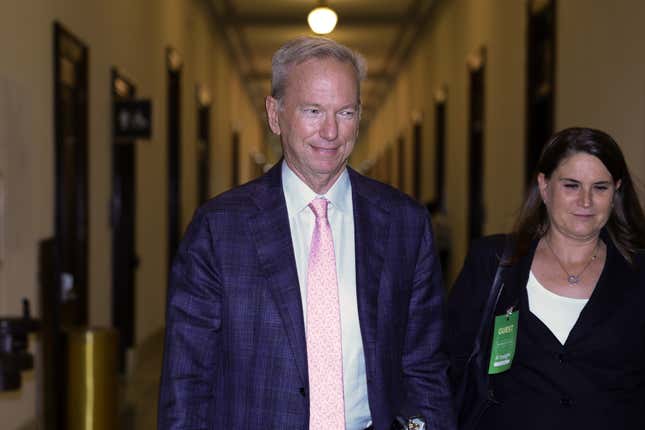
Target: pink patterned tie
{"points": [[324, 348]]}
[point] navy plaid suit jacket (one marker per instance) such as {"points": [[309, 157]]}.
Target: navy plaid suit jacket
{"points": [[235, 353]]}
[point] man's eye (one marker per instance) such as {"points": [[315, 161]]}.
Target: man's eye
{"points": [[571, 186], [347, 113], [312, 111], [601, 187]]}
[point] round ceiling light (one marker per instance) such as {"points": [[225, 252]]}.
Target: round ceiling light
{"points": [[322, 20]]}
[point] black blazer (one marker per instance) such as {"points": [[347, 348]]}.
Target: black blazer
{"points": [[596, 380]]}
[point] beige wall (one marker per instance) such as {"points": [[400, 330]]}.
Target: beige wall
{"points": [[599, 83], [601, 76], [132, 36], [25, 128], [458, 29]]}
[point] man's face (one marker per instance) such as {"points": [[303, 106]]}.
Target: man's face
{"points": [[317, 120]]}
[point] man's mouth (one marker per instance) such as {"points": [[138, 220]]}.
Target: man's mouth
{"points": [[325, 150]]}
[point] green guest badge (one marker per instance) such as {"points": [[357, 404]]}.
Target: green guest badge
{"points": [[504, 342]]}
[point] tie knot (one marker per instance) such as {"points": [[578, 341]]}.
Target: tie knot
{"points": [[319, 207]]}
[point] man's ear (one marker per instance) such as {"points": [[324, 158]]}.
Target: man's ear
{"points": [[272, 107]]}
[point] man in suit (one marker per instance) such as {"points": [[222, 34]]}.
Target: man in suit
{"points": [[310, 297]]}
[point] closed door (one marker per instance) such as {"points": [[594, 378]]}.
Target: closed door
{"points": [[476, 209], [66, 256], [71, 175], [123, 219], [540, 87], [173, 74]]}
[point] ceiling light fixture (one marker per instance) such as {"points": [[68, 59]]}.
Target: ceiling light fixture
{"points": [[322, 19]]}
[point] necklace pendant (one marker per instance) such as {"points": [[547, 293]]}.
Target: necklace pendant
{"points": [[573, 279]]}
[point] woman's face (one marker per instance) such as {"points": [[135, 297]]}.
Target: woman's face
{"points": [[578, 196]]}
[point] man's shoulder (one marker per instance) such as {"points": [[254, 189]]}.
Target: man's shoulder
{"points": [[237, 200], [383, 194]]}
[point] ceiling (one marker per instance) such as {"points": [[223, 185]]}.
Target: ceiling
{"points": [[384, 31]]}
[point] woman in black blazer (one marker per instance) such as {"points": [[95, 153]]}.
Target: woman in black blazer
{"points": [[546, 326]]}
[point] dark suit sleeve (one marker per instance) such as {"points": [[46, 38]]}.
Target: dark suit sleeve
{"points": [[466, 302], [193, 322], [424, 362]]}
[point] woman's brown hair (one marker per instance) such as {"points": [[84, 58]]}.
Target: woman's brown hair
{"points": [[626, 224]]}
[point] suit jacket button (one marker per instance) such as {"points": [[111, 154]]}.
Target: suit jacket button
{"points": [[562, 358], [565, 402], [303, 392]]}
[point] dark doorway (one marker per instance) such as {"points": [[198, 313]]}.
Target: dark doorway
{"points": [[438, 203], [476, 209], [123, 220], [70, 122], [417, 139], [173, 72], [235, 159], [540, 72], [69, 302], [203, 145], [401, 157]]}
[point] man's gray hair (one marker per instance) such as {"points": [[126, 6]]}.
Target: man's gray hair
{"points": [[305, 48]]}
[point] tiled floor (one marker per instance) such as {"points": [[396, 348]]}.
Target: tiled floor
{"points": [[140, 389]]}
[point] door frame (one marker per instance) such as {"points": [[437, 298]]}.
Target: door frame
{"points": [[174, 66], [540, 80], [123, 298], [53, 312], [476, 142], [203, 129]]}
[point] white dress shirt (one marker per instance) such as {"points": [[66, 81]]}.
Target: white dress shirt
{"points": [[340, 214], [558, 313]]}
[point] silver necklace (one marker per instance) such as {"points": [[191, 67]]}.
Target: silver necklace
{"points": [[573, 279]]}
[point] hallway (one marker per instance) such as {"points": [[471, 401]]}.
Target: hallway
{"points": [[455, 108]]}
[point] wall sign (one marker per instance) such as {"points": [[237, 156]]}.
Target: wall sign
{"points": [[133, 119]]}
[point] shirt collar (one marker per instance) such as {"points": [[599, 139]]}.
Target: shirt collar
{"points": [[298, 195]]}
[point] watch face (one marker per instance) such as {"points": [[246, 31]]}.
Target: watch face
{"points": [[416, 423], [412, 423]]}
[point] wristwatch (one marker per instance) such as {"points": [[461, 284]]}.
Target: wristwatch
{"points": [[411, 423]]}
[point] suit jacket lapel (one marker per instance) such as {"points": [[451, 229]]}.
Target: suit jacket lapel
{"points": [[270, 228], [371, 224], [611, 290]]}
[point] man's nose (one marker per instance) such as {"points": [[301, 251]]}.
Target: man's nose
{"points": [[329, 128]]}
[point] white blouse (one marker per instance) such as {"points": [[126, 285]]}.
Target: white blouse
{"points": [[558, 313]]}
